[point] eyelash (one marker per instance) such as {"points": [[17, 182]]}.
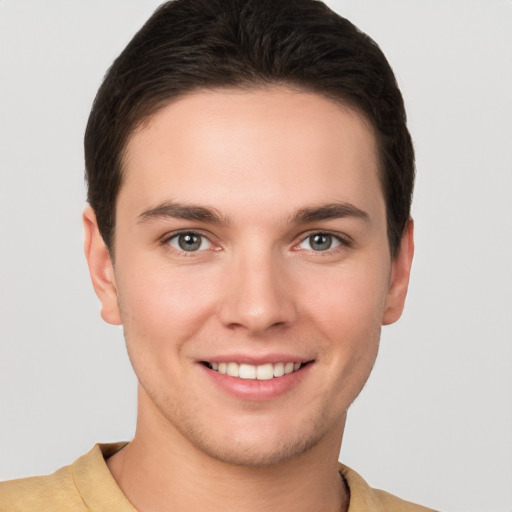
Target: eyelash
{"points": [[344, 242]]}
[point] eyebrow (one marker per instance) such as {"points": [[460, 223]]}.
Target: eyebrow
{"points": [[327, 212], [182, 211], [210, 215]]}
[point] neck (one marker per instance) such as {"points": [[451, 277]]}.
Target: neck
{"points": [[160, 471]]}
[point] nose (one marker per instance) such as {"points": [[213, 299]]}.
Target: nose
{"points": [[258, 294]]}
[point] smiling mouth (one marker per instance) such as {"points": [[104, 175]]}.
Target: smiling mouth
{"points": [[266, 371]]}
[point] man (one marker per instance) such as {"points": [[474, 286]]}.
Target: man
{"points": [[250, 176]]}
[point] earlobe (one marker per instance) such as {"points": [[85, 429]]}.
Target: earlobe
{"points": [[100, 268], [400, 273]]}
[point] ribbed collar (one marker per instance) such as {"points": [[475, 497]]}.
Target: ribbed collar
{"points": [[362, 496], [96, 484]]}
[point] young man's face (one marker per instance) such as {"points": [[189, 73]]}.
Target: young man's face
{"points": [[251, 238]]}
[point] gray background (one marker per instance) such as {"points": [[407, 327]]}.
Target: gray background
{"points": [[434, 423]]}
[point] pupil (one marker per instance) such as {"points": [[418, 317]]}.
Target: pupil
{"points": [[189, 242], [321, 242]]}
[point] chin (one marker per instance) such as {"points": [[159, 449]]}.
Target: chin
{"points": [[262, 452], [257, 441]]}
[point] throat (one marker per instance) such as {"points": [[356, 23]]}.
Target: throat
{"points": [[207, 489]]}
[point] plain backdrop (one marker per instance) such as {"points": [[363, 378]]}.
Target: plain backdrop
{"points": [[434, 424]]}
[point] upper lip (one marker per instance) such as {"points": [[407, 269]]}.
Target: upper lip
{"points": [[256, 360]]}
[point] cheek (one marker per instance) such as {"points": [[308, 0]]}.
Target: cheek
{"points": [[160, 304], [348, 311], [348, 300], [351, 323]]}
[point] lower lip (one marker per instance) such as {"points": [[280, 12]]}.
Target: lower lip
{"points": [[257, 390]]}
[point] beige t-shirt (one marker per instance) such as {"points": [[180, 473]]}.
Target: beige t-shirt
{"points": [[88, 486]]}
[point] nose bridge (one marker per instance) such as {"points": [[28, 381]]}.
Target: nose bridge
{"points": [[256, 295]]}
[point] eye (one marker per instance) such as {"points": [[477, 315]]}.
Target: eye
{"points": [[189, 242], [320, 242]]}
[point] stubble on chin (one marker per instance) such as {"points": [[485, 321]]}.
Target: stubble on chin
{"points": [[250, 447]]}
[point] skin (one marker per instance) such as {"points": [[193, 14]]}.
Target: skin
{"points": [[257, 287]]}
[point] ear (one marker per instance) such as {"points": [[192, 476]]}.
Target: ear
{"points": [[100, 268], [400, 272]]}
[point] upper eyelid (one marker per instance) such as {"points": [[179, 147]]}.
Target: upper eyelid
{"points": [[172, 234], [343, 237]]}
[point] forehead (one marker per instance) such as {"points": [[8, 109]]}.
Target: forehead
{"points": [[226, 146]]}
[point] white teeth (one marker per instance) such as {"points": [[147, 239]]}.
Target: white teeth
{"points": [[232, 370], [265, 372], [279, 370], [247, 371], [262, 372]]}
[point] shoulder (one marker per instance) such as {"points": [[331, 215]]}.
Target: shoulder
{"points": [[363, 497], [395, 504], [41, 493], [83, 486]]}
